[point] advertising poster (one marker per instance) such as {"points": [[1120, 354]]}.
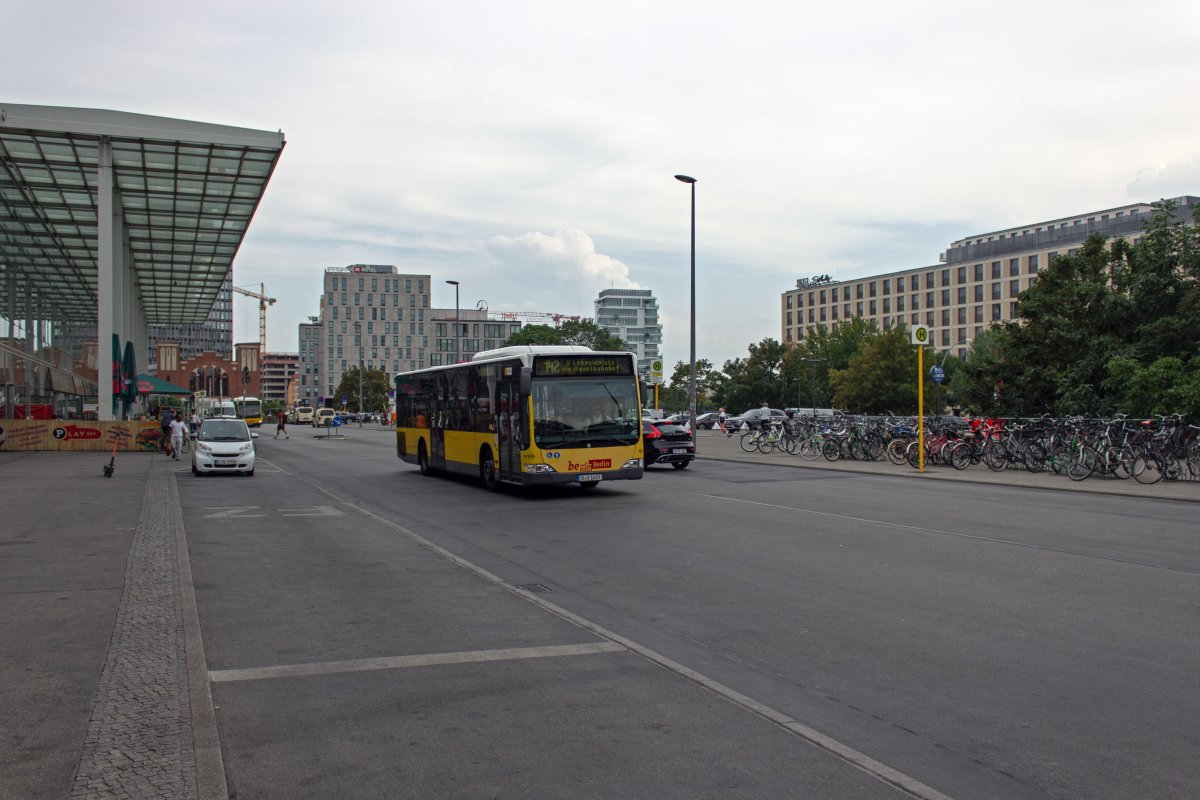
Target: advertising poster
{"points": [[77, 435]]}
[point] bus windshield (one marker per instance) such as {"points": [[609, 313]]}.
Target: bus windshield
{"points": [[582, 412]]}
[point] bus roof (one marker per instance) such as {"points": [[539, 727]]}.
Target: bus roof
{"points": [[524, 352]]}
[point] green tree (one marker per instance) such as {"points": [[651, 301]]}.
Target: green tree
{"points": [[587, 333], [375, 385], [675, 393], [807, 364], [582, 332], [881, 377], [533, 335], [750, 381]]}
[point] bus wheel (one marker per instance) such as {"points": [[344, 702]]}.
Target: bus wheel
{"points": [[423, 461], [487, 471]]}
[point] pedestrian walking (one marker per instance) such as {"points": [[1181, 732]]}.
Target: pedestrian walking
{"points": [[721, 417], [164, 423], [281, 426], [178, 429]]}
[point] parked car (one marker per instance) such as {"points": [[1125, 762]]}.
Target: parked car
{"points": [[324, 417], [753, 418], [223, 444], [707, 420], [664, 442]]}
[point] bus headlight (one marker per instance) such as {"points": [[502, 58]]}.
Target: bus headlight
{"points": [[538, 469], [633, 463]]}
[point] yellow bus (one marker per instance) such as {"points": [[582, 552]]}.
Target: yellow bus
{"points": [[526, 415], [249, 409]]}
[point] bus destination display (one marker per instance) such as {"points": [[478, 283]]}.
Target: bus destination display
{"points": [[581, 366]]}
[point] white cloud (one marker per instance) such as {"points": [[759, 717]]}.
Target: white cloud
{"points": [[1166, 181], [568, 259]]}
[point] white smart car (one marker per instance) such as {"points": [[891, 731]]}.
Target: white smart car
{"points": [[223, 444]]}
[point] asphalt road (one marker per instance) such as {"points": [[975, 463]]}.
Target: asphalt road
{"points": [[731, 630]]}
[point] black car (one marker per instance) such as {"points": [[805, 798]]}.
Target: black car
{"points": [[664, 442]]}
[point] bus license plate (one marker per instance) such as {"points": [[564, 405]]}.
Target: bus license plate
{"points": [[225, 462], [590, 477]]}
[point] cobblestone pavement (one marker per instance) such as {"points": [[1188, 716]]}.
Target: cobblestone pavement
{"points": [[139, 736]]}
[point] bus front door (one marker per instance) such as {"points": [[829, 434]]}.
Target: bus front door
{"points": [[509, 423]]}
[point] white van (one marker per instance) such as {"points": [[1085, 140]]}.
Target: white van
{"points": [[304, 415], [324, 417]]}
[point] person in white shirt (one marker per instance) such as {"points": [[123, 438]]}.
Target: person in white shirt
{"points": [[178, 428]]}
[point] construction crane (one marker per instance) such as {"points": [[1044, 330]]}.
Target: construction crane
{"points": [[539, 315], [263, 302]]}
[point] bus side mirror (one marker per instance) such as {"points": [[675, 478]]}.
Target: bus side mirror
{"points": [[526, 381]]}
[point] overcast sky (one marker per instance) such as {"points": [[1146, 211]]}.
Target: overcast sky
{"points": [[527, 149]]}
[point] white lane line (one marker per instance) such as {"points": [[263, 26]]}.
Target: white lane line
{"points": [[403, 662], [848, 754]]}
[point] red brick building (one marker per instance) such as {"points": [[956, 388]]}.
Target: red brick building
{"points": [[210, 373]]}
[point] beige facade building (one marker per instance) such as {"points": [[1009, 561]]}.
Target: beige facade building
{"points": [[974, 286]]}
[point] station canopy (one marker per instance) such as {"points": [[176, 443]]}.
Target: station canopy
{"points": [[184, 193]]}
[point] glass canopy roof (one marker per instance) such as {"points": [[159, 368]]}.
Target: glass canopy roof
{"points": [[185, 192]]}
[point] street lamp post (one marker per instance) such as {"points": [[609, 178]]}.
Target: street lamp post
{"points": [[358, 335], [457, 346], [814, 361], [692, 359]]}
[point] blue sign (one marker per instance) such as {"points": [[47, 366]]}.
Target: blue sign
{"points": [[937, 374], [337, 422]]}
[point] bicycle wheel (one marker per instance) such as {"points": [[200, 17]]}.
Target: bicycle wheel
{"points": [[831, 449], [1081, 463], [1148, 468], [749, 442], [874, 447], [895, 451], [912, 454], [810, 448], [960, 455], [766, 445], [995, 455], [1034, 457]]}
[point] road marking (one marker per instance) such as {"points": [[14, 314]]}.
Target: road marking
{"points": [[225, 512], [311, 511], [403, 662], [848, 754]]}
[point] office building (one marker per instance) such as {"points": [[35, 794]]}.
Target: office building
{"points": [[974, 285], [277, 371], [371, 314], [632, 314]]}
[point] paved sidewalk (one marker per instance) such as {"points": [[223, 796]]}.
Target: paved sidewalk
{"points": [[716, 446], [94, 675]]}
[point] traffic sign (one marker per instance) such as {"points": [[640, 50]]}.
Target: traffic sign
{"points": [[937, 374], [920, 335]]}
